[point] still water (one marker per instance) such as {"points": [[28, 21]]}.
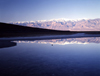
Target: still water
{"points": [[53, 57]]}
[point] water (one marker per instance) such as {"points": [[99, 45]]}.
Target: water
{"points": [[54, 57]]}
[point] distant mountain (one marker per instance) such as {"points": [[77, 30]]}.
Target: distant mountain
{"points": [[64, 24], [11, 30]]}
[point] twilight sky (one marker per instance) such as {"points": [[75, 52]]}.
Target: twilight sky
{"points": [[33, 10]]}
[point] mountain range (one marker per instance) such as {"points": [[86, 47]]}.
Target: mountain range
{"points": [[12, 30], [64, 24]]}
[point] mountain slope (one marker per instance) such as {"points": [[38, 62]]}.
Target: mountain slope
{"points": [[11, 30], [72, 25], [17, 30]]}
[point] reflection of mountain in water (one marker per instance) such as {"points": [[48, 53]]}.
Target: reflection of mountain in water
{"points": [[66, 41]]}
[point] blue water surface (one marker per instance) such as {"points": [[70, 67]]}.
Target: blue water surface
{"points": [[36, 59]]}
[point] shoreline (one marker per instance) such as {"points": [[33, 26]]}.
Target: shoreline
{"points": [[78, 35]]}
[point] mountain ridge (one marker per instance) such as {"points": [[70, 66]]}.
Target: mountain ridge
{"points": [[8, 30], [11, 30], [72, 25]]}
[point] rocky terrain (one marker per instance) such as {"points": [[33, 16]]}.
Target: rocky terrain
{"points": [[63, 24]]}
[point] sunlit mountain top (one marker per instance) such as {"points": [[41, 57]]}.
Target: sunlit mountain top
{"points": [[57, 20], [65, 24]]}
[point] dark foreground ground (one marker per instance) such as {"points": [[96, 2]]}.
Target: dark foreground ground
{"points": [[11, 30]]}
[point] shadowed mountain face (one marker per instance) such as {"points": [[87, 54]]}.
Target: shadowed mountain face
{"points": [[10, 30], [79, 25]]}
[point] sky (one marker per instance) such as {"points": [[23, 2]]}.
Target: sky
{"points": [[33, 10]]}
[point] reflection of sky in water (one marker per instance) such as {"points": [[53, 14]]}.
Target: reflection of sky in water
{"points": [[66, 41], [34, 59]]}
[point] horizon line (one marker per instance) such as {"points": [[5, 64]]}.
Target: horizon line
{"points": [[59, 19]]}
